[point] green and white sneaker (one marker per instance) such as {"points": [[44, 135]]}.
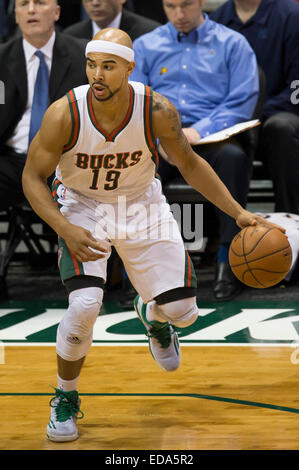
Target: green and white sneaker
{"points": [[164, 343], [65, 410]]}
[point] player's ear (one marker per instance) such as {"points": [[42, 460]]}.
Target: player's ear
{"points": [[131, 67]]}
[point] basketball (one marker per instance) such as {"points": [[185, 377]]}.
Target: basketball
{"points": [[260, 256]]}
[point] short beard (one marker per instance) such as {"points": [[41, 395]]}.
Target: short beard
{"points": [[111, 94]]}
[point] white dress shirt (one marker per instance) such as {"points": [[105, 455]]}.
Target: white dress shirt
{"points": [[19, 140]]}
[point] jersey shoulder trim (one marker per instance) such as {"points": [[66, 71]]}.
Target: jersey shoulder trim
{"points": [[148, 128], [75, 115]]}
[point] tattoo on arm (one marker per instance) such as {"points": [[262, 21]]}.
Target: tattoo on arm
{"points": [[184, 142], [162, 103]]}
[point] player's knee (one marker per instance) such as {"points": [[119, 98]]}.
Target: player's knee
{"points": [[74, 335], [181, 313], [85, 309]]}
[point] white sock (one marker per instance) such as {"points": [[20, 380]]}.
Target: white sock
{"points": [[153, 313], [67, 385]]}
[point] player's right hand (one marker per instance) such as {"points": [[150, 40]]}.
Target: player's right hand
{"points": [[82, 244], [246, 218]]}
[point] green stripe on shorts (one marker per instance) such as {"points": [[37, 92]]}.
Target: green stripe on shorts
{"points": [[190, 276], [55, 184], [68, 265]]}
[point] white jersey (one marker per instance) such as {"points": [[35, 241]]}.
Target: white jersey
{"points": [[104, 166]]}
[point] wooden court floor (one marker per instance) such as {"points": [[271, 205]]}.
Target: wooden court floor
{"points": [[236, 398]]}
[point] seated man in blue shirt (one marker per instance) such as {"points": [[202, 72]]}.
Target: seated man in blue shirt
{"points": [[272, 29], [209, 72]]}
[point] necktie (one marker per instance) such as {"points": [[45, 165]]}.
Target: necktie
{"points": [[40, 98]]}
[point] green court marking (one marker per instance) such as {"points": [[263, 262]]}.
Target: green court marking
{"points": [[246, 323], [177, 395]]}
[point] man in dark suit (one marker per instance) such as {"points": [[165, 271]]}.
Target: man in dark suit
{"points": [[63, 61], [108, 14], [7, 20]]}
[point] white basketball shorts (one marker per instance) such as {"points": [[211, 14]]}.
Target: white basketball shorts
{"points": [[144, 233]]}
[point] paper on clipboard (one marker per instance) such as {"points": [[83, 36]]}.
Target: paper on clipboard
{"points": [[229, 132]]}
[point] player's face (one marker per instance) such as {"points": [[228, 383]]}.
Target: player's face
{"points": [[107, 74], [103, 11], [185, 15], [36, 18]]}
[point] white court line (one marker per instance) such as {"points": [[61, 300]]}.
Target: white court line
{"points": [[250, 345]]}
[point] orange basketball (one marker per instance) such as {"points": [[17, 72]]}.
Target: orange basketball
{"points": [[260, 256]]}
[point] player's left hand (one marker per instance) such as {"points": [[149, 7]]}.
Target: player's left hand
{"points": [[247, 218]]}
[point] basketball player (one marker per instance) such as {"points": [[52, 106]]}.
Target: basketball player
{"points": [[101, 138]]}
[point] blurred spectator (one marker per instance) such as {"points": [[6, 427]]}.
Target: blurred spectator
{"points": [[271, 27], [3, 22], [110, 13], [129, 5], [209, 72], [151, 9], [36, 69]]}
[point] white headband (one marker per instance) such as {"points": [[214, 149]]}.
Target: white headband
{"points": [[110, 48]]}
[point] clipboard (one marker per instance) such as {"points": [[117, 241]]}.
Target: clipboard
{"points": [[229, 132]]}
